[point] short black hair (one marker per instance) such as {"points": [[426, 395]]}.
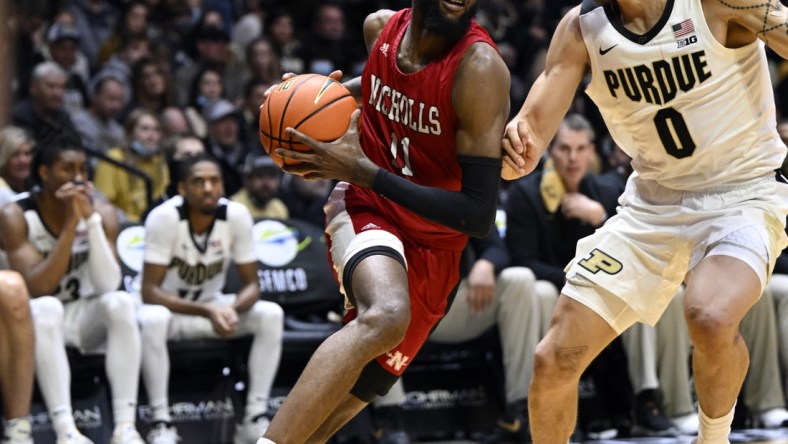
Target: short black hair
{"points": [[185, 166], [48, 150]]}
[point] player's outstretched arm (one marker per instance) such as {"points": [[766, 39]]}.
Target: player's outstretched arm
{"points": [[528, 134], [766, 19]]}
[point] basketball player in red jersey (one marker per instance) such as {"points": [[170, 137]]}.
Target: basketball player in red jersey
{"points": [[418, 174]]}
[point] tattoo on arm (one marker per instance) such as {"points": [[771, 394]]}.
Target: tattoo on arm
{"points": [[569, 358], [772, 9]]}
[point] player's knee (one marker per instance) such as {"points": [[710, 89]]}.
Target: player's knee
{"points": [[268, 316], [47, 314], [548, 371], [385, 323], [711, 328], [154, 321], [120, 307], [13, 297]]}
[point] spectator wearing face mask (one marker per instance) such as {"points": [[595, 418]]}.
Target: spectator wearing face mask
{"points": [[125, 190]]}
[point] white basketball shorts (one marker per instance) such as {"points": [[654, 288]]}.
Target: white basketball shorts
{"points": [[628, 270]]}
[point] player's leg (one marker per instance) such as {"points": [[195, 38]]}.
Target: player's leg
{"points": [[154, 323], [576, 336], [720, 291], [347, 408], [380, 287], [52, 368], [16, 356], [265, 321], [112, 317]]}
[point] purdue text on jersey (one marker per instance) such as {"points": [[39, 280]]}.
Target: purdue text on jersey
{"points": [[659, 81]]}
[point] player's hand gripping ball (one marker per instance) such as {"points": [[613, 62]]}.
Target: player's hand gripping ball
{"points": [[316, 105]]}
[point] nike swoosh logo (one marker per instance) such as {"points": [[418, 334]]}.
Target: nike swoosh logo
{"points": [[605, 51], [511, 427]]}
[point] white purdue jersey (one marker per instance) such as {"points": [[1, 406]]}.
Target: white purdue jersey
{"points": [[76, 283], [691, 113], [197, 265]]}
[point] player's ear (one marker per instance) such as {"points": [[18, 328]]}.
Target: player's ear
{"points": [[43, 172]]}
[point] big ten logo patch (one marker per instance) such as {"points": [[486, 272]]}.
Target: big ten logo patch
{"points": [[598, 260]]}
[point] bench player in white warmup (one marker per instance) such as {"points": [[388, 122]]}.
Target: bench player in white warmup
{"points": [[62, 241], [189, 243]]}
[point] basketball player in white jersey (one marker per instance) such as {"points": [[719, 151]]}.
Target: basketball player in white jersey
{"points": [[189, 243], [61, 241], [684, 89]]}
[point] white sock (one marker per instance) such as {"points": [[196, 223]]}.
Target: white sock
{"points": [[714, 430], [264, 355], [161, 412], [18, 428], [154, 321], [119, 426], [255, 407], [124, 354], [62, 420], [265, 441], [124, 410]]}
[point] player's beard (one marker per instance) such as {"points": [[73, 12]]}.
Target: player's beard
{"points": [[436, 22], [207, 209]]}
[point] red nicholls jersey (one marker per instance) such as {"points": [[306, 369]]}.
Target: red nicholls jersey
{"points": [[408, 126]]}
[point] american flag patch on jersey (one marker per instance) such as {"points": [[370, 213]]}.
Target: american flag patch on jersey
{"points": [[683, 28]]}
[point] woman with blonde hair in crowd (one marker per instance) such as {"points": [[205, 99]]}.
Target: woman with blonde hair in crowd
{"points": [[16, 148], [123, 189]]}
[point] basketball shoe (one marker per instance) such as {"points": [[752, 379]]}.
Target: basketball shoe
{"points": [[162, 433], [126, 434], [73, 437], [249, 431]]}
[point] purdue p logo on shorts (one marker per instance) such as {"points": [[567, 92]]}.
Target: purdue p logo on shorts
{"points": [[598, 261]]}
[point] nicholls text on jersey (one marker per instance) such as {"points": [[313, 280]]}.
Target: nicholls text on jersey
{"points": [[418, 116]]}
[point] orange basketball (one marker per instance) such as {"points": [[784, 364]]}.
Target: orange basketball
{"points": [[316, 105]]}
